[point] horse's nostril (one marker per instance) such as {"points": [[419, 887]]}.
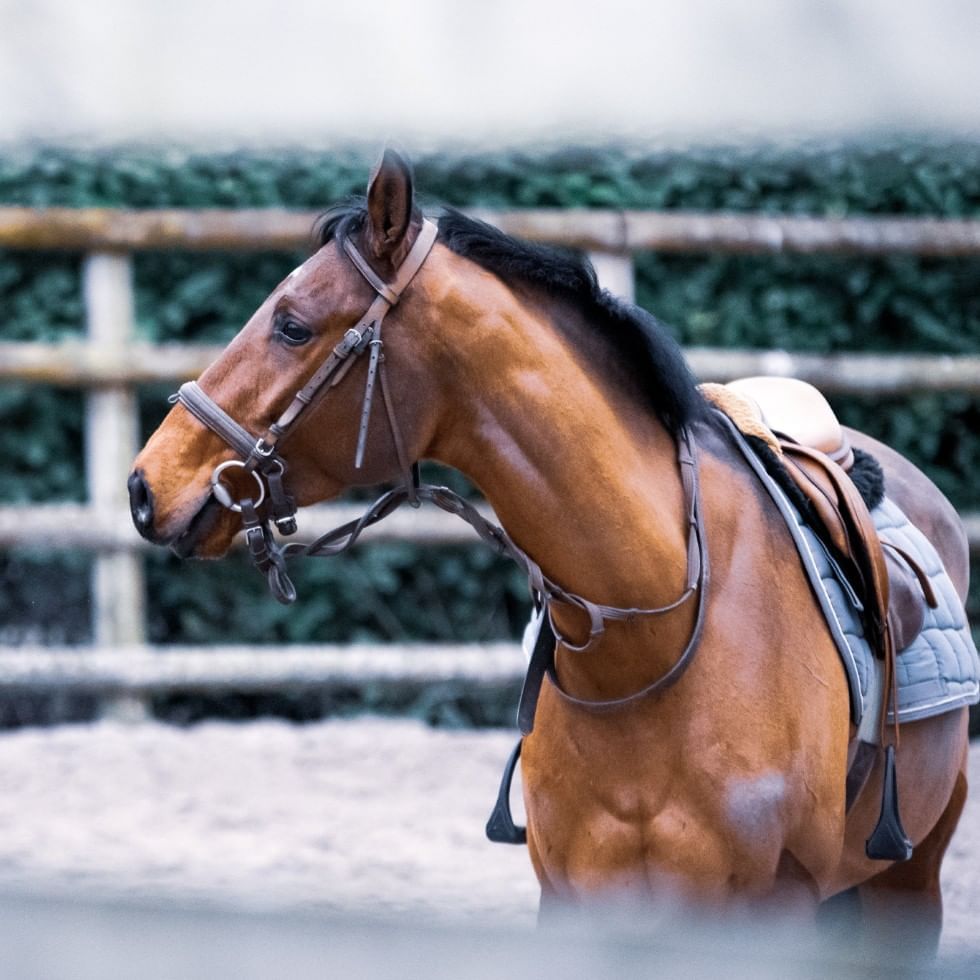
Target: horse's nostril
{"points": [[140, 503]]}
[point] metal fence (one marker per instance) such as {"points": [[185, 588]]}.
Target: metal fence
{"points": [[111, 361]]}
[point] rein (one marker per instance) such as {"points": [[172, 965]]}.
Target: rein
{"points": [[261, 458]]}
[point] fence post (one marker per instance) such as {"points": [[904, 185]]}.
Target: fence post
{"points": [[615, 272], [111, 442]]}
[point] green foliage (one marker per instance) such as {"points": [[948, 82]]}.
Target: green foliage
{"points": [[44, 597], [818, 304], [40, 299], [898, 176], [41, 437], [800, 303], [383, 591], [937, 431], [202, 298], [40, 296], [446, 704]]}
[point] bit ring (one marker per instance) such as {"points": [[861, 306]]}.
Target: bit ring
{"points": [[221, 492]]}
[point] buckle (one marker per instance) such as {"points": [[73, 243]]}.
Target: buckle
{"points": [[354, 341], [350, 342], [286, 525]]}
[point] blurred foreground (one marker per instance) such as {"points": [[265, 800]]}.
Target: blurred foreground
{"points": [[353, 846], [91, 941]]}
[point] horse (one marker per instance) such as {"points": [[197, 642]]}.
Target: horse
{"points": [[566, 408]]}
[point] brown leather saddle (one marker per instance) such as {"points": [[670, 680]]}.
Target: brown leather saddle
{"points": [[799, 426], [817, 456]]}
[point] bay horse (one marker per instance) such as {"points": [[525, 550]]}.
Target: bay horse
{"points": [[566, 408]]}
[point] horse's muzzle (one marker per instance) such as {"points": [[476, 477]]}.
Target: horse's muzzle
{"points": [[141, 505]]}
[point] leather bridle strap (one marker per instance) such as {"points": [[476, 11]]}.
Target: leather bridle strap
{"points": [[366, 334], [546, 591], [542, 662], [212, 415], [698, 575]]}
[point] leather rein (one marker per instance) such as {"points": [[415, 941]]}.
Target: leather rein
{"points": [[260, 456]]}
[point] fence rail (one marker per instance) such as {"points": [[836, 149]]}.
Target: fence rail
{"points": [[110, 362], [141, 670], [109, 530], [85, 364], [110, 229], [54, 526]]}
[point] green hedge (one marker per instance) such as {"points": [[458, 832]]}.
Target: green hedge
{"points": [[893, 177], [799, 303]]}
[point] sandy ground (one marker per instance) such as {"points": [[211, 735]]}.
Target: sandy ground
{"points": [[371, 816]]}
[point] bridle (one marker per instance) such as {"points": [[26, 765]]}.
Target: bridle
{"points": [[261, 457]]}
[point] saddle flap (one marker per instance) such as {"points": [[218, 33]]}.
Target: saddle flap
{"points": [[848, 527], [909, 590], [887, 579], [820, 493]]}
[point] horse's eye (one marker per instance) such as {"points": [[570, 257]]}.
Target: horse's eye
{"points": [[294, 333]]}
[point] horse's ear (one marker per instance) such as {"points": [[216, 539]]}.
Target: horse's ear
{"points": [[390, 203]]}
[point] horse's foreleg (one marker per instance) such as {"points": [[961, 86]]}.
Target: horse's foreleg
{"points": [[794, 892], [902, 907], [552, 907]]}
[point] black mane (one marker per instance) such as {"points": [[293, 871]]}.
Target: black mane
{"points": [[340, 221], [642, 344]]}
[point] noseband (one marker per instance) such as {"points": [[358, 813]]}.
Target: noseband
{"points": [[260, 456]]}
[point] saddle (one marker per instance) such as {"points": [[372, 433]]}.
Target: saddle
{"points": [[888, 586], [797, 423]]}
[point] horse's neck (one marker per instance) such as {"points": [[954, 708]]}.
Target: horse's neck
{"points": [[584, 479]]}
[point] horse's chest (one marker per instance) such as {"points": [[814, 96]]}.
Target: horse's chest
{"points": [[653, 829]]}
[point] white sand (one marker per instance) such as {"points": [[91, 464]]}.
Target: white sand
{"points": [[367, 815]]}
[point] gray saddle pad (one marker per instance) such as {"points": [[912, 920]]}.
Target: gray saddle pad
{"points": [[940, 669]]}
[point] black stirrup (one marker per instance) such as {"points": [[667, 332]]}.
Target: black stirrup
{"points": [[501, 828]]}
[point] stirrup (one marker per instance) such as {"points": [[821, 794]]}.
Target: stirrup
{"points": [[888, 841], [501, 828]]}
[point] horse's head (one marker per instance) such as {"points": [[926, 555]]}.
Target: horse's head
{"points": [[306, 323]]}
